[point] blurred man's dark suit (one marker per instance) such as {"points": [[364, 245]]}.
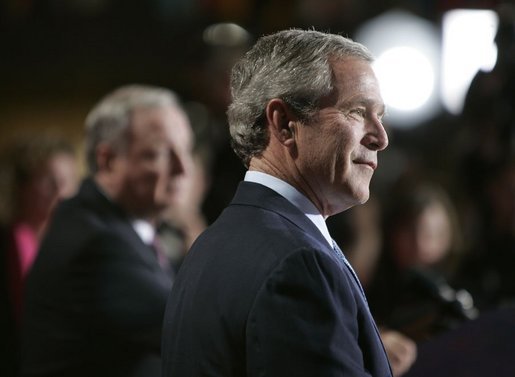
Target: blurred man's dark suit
{"points": [[95, 297], [280, 301]]}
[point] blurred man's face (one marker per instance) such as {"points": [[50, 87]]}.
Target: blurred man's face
{"points": [[157, 156], [337, 151]]}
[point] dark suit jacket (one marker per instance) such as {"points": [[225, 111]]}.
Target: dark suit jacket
{"points": [[261, 293], [95, 297]]}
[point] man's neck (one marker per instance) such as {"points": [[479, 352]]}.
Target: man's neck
{"points": [[114, 194], [288, 172]]}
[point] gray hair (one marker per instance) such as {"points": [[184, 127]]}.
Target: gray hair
{"points": [[110, 119], [293, 65]]}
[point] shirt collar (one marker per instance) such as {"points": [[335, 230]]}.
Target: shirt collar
{"points": [[294, 196], [144, 229]]}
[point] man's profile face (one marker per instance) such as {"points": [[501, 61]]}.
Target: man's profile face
{"points": [[338, 149], [157, 156]]}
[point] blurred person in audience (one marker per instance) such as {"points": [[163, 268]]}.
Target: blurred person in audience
{"points": [[265, 291], [96, 294], [488, 115], [487, 132], [183, 222], [488, 269], [38, 170], [412, 291], [486, 165], [43, 169], [359, 229]]}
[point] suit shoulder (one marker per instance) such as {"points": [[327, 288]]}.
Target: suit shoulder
{"points": [[306, 266], [80, 220]]}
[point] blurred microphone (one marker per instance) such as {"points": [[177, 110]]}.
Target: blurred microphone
{"points": [[459, 302]]}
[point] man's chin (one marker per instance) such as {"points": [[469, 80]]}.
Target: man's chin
{"points": [[364, 198], [152, 211], [358, 195], [361, 193], [162, 206]]}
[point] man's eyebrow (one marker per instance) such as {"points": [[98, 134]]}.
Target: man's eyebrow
{"points": [[366, 102]]}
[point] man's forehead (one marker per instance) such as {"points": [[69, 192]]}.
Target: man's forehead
{"points": [[164, 121], [352, 70], [356, 81]]}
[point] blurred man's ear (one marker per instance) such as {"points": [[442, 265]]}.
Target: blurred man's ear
{"points": [[105, 154]]}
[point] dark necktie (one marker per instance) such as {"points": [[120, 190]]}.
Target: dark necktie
{"points": [[161, 256], [341, 256]]}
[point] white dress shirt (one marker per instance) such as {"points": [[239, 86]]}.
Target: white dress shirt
{"points": [[145, 230]]}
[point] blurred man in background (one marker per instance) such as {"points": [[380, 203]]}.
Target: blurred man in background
{"points": [[96, 295]]}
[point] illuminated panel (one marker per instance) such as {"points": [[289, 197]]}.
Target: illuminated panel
{"points": [[468, 46]]}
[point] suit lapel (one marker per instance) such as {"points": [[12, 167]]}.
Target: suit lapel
{"points": [[257, 195], [117, 218]]}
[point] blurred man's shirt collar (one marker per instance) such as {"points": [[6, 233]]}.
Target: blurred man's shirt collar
{"points": [[145, 230]]}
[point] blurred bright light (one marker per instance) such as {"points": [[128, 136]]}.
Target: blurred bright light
{"points": [[406, 77], [225, 34], [468, 46], [407, 48]]}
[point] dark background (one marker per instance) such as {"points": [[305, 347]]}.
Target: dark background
{"points": [[57, 57]]}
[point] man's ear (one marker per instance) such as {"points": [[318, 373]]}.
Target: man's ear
{"points": [[105, 156], [281, 121]]}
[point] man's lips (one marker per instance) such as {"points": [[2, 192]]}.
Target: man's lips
{"points": [[372, 164]]}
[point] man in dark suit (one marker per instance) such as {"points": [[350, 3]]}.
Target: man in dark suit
{"points": [[96, 295], [265, 291]]}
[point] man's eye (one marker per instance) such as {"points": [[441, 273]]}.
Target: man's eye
{"points": [[149, 154], [155, 153], [359, 112]]}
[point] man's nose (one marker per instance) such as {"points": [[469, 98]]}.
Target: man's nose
{"points": [[376, 137]]}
